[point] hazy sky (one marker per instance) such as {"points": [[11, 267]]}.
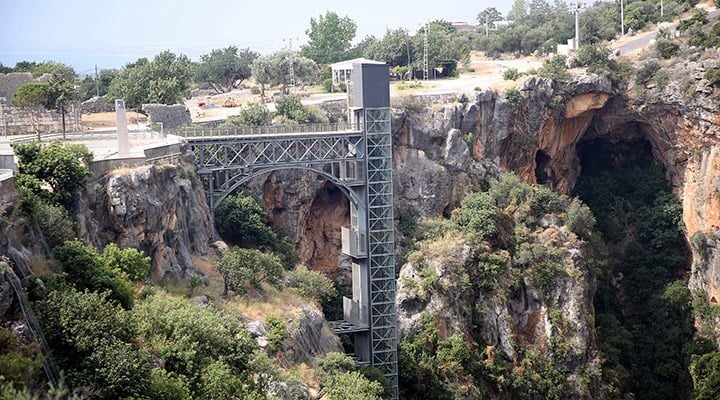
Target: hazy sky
{"points": [[111, 33]]}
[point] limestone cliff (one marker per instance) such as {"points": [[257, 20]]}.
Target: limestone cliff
{"points": [[160, 210]]}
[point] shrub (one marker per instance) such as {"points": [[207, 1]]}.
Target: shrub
{"points": [[189, 339], [646, 72], [168, 386], [311, 284], [666, 48], [555, 68], [130, 261], [511, 74], [248, 267], [277, 332], [713, 76], [327, 85], [513, 96], [592, 55], [253, 114], [84, 268], [477, 214], [580, 219], [53, 221], [291, 107]]}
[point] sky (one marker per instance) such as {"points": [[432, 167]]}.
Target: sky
{"points": [[109, 34]]}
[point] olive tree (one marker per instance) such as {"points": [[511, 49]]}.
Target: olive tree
{"points": [[274, 70], [165, 80], [32, 97], [224, 69]]}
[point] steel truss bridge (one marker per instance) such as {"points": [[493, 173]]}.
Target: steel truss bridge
{"points": [[357, 158]]}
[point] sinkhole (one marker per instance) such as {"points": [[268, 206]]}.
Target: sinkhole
{"points": [[644, 321]]}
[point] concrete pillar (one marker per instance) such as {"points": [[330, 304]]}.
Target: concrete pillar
{"points": [[122, 129]]}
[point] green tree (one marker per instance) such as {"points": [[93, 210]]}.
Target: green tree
{"points": [[394, 48], [32, 97], [53, 68], [241, 220], [311, 284], [224, 69], [292, 108], [518, 10], [61, 94], [165, 80], [253, 114], [88, 87], [705, 372], [329, 38], [248, 267], [131, 262], [477, 214], [488, 16], [274, 70], [189, 339], [92, 341], [52, 172], [83, 268]]}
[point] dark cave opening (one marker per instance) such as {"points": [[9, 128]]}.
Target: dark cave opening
{"points": [[644, 322], [541, 162]]}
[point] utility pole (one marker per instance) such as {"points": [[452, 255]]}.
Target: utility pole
{"points": [[407, 44], [622, 17], [487, 26], [577, 25], [662, 11], [292, 68], [97, 82], [426, 64]]}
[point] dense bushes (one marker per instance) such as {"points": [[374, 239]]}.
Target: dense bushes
{"points": [[507, 229], [241, 220], [648, 334], [52, 172]]}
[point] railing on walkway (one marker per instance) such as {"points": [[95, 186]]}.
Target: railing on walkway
{"points": [[89, 136], [267, 130], [51, 369]]}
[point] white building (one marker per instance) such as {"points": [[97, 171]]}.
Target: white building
{"points": [[342, 71]]}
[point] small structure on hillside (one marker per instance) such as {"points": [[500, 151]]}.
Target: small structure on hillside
{"points": [[342, 71]]}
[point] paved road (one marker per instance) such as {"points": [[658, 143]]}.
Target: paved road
{"points": [[643, 39]]}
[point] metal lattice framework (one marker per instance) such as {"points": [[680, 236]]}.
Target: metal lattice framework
{"points": [[381, 243], [226, 162], [357, 161]]}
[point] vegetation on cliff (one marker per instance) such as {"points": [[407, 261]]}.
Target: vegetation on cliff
{"points": [[511, 243], [643, 307], [118, 334]]}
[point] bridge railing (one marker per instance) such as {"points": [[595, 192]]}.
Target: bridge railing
{"points": [[268, 129]]}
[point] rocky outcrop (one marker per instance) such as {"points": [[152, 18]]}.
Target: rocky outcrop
{"points": [[96, 104], [171, 116], [160, 210]]}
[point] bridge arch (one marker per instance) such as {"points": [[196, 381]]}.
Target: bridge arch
{"points": [[243, 179], [358, 159]]}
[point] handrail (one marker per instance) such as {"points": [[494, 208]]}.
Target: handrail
{"points": [[268, 129], [49, 366]]}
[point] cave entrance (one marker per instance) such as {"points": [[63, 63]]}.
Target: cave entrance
{"points": [[642, 304]]}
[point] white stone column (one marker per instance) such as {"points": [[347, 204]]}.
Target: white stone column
{"points": [[122, 129]]}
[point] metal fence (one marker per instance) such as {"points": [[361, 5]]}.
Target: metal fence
{"points": [[267, 130]]}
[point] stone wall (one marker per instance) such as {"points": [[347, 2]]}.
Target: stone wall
{"points": [[96, 104], [9, 83], [18, 121], [170, 116]]}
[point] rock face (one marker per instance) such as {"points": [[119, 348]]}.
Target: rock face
{"points": [[171, 116], [445, 146], [160, 210]]}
